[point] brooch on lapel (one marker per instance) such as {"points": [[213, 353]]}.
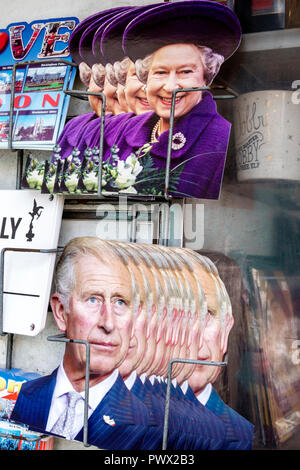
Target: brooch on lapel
{"points": [[178, 141], [109, 420]]}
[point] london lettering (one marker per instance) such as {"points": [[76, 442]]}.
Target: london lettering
{"points": [[24, 101]]}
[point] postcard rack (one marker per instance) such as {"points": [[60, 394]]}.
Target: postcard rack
{"points": [[61, 337], [8, 360], [12, 99], [10, 336], [83, 95]]}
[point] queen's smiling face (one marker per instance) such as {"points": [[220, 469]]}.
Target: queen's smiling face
{"points": [[172, 67]]}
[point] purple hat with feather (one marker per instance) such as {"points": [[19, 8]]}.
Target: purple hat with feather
{"points": [[200, 22]]}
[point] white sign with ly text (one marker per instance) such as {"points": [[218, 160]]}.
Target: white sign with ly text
{"points": [[29, 221]]}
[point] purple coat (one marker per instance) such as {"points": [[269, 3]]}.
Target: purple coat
{"points": [[72, 132], [196, 169], [83, 131]]}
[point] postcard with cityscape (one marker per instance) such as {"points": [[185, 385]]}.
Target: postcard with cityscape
{"points": [[35, 66]]}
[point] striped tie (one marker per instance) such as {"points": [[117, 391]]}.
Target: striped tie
{"points": [[64, 424]]}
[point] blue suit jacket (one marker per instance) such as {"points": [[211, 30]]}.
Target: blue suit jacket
{"points": [[239, 431], [150, 395], [154, 435], [209, 429], [130, 415], [199, 428]]}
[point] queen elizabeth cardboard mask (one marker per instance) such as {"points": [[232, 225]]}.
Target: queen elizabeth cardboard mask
{"points": [[162, 134]]}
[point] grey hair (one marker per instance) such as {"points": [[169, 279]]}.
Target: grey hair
{"points": [[110, 74], [65, 279], [142, 67], [158, 263], [121, 69], [211, 60], [85, 73], [98, 71]]}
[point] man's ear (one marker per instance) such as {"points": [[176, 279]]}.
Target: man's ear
{"points": [[59, 312], [229, 321]]}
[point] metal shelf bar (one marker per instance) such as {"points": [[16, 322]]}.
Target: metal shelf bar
{"points": [[23, 438], [168, 394], [80, 94], [62, 338], [9, 345]]}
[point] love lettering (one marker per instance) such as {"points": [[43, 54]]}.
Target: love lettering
{"points": [[51, 33]]}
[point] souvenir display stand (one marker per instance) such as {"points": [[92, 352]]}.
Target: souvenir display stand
{"points": [[249, 383], [162, 235]]}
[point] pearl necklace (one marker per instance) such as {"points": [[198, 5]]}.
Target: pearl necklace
{"points": [[178, 139], [155, 132]]}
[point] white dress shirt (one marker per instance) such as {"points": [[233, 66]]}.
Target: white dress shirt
{"points": [[184, 386], [59, 399], [152, 378], [203, 396], [143, 377], [130, 380]]}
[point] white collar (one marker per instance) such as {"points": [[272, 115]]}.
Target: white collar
{"points": [[96, 393], [130, 380], [184, 386], [143, 377], [203, 396], [152, 378]]}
